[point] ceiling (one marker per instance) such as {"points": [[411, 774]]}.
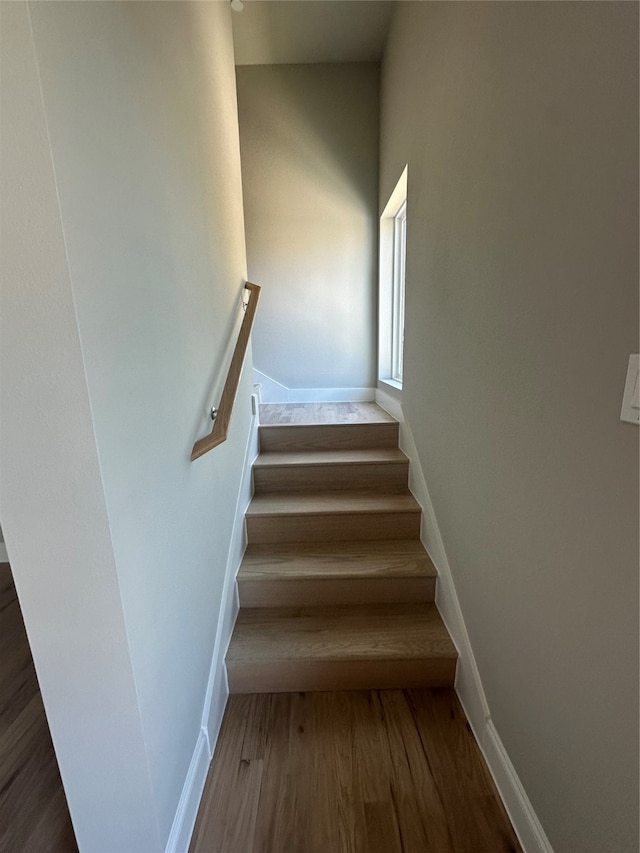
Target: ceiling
{"points": [[271, 32]]}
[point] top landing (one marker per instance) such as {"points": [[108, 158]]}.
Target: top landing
{"points": [[282, 414]]}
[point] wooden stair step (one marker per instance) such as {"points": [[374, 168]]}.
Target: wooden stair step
{"points": [[378, 468], [393, 558], [325, 573], [278, 438], [332, 516], [340, 648], [300, 503]]}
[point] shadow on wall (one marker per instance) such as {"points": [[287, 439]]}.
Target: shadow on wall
{"points": [[318, 136], [309, 148]]}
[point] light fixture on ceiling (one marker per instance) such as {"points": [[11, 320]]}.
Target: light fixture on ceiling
{"points": [[237, 5]]}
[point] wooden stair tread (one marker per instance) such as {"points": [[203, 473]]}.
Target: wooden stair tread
{"points": [[350, 633], [336, 590], [330, 560], [310, 458], [343, 502]]}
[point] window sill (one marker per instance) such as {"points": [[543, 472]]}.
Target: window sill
{"points": [[393, 383]]}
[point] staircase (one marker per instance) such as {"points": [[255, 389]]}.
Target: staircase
{"points": [[336, 590]]}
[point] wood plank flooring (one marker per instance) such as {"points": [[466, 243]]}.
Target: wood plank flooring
{"points": [[346, 647], [320, 470], [394, 771], [323, 413], [334, 499], [34, 817], [332, 516], [397, 558], [365, 572], [288, 438], [355, 770]]}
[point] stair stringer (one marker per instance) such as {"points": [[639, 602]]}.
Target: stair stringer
{"points": [[468, 684], [217, 692]]}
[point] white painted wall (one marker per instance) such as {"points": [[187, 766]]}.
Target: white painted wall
{"points": [[309, 142], [519, 123], [123, 263]]}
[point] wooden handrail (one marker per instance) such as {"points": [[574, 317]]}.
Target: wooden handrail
{"points": [[221, 424]]}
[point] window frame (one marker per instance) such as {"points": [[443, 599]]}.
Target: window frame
{"points": [[391, 295], [397, 288]]}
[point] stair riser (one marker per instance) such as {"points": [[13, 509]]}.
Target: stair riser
{"points": [[325, 602], [306, 592], [391, 478], [287, 677], [333, 527], [328, 437]]}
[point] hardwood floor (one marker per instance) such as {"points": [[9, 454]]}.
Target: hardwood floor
{"points": [[354, 647], [332, 516], [394, 771], [34, 817], [330, 492], [355, 770], [369, 572], [322, 413], [323, 470]]}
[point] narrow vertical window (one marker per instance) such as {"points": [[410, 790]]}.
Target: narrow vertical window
{"points": [[397, 323], [393, 252]]}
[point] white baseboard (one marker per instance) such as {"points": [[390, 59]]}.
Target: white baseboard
{"points": [[217, 690], [272, 391], [217, 687], [529, 829], [390, 404], [468, 684], [331, 395], [187, 811]]}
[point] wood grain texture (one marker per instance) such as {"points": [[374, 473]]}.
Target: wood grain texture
{"points": [[332, 516], [313, 458], [221, 424], [377, 469], [395, 558], [323, 413], [355, 502], [333, 527], [34, 817], [334, 648], [328, 602], [349, 772], [364, 572], [385, 631], [305, 437], [282, 592], [314, 675]]}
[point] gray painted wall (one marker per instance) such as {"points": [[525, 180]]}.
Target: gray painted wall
{"points": [[123, 263], [309, 143], [519, 122]]}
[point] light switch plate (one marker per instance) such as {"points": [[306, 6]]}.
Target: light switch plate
{"points": [[631, 397]]}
